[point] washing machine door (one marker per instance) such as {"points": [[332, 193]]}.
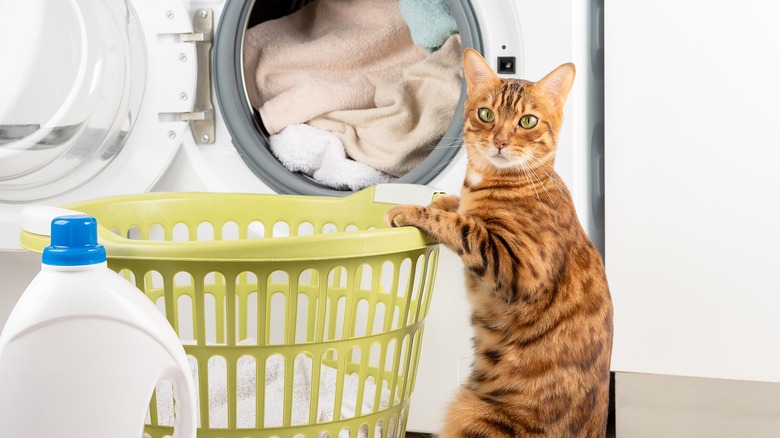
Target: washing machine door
{"points": [[92, 99]]}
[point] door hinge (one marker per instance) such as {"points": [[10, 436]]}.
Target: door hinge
{"points": [[202, 116]]}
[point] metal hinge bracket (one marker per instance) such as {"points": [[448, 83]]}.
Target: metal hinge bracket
{"points": [[202, 116]]}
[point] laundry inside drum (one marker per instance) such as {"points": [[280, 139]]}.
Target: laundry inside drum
{"points": [[351, 94]]}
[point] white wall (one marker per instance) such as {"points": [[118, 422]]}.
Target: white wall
{"points": [[693, 187]]}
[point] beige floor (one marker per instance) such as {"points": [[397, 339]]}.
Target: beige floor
{"points": [[650, 406]]}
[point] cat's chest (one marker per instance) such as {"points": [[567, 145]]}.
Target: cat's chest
{"points": [[467, 198], [483, 196], [473, 179], [466, 202]]}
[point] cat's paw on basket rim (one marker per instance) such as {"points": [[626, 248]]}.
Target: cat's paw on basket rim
{"points": [[404, 215]]}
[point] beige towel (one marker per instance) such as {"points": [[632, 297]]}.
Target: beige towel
{"points": [[327, 56], [413, 109]]}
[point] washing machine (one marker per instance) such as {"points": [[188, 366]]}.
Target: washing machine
{"points": [[112, 97]]}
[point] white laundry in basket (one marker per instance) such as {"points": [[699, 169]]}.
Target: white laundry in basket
{"points": [[274, 393]]}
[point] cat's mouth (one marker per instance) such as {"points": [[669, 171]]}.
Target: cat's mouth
{"points": [[502, 160]]}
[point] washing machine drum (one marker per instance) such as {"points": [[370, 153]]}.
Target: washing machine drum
{"points": [[252, 134]]}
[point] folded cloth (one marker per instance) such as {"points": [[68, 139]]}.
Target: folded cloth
{"points": [[320, 154], [429, 21], [326, 56], [413, 110], [274, 395]]}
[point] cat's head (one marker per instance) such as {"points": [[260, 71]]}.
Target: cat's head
{"points": [[512, 124]]}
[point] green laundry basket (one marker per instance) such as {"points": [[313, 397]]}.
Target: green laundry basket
{"points": [[302, 316]]}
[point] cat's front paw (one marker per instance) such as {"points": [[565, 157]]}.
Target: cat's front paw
{"points": [[446, 203], [403, 215]]}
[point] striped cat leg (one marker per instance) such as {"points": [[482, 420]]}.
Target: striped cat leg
{"points": [[459, 233], [489, 252]]}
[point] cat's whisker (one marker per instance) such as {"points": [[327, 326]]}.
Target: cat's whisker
{"points": [[483, 162], [480, 160], [537, 164], [540, 166], [535, 160], [456, 143], [544, 186], [438, 167], [522, 166]]}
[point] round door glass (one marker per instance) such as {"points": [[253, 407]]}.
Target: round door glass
{"points": [[70, 88]]}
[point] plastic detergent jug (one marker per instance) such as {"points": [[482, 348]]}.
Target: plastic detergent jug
{"points": [[83, 349]]}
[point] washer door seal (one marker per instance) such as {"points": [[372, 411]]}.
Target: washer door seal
{"points": [[252, 144]]}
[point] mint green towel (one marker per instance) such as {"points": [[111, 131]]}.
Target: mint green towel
{"points": [[430, 22]]}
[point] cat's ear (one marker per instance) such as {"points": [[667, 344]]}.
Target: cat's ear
{"points": [[477, 70], [556, 84]]}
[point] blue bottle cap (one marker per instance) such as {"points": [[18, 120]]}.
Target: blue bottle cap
{"points": [[74, 242]]}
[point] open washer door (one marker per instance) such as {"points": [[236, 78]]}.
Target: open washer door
{"points": [[92, 98]]}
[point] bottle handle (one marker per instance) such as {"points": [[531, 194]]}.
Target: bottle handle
{"points": [[185, 423]]}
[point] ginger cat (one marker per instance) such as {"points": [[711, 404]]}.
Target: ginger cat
{"points": [[541, 308]]}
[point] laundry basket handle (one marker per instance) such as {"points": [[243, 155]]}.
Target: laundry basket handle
{"points": [[399, 193], [36, 219]]}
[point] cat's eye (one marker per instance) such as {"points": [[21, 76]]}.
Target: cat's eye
{"points": [[486, 115], [528, 121]]}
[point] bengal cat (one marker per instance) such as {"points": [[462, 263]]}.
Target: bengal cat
{"points": [[541, 308]]}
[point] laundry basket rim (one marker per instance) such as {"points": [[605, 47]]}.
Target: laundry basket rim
{"points": [[376, 241]]}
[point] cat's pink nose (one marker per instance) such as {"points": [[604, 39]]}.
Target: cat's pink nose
{"points": [[500, 142]]}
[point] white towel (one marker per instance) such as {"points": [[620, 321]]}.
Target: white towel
{"points": [[273, 412], [320, 154]]}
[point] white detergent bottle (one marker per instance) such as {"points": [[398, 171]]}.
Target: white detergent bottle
{"points": [[83, 349]]}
